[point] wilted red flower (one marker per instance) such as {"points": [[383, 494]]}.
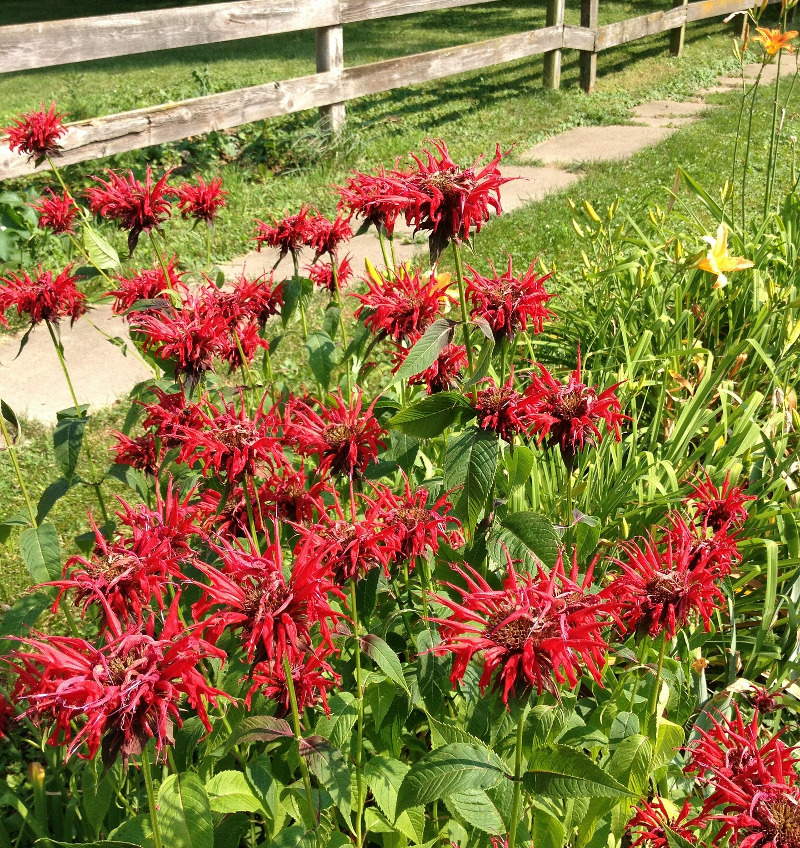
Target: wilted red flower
{"points": [[403, 305], [147, 284], [414, 527], [200, 200], [120, 695], [312, 678], [456, 199], [344, 437], [36, 133], [274, 614], [662, 585], [508, 303], [46, 297], [327, 236], [538, 630], [321, 274], [569, 415], [652, 819], [443, 375], [502, 410], [137, 207], [764, 701], [289, 235], [378, 198], [720, 508], [56, 212]]}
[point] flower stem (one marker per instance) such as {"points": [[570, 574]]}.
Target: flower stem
{"points": [[360, 718], [338, 294], [159, 258], [287, 670], [382, 242], [652, 706], [94, 483], [208, 249], [12, 452], [462, 298], [151, 797], [512, 833]]}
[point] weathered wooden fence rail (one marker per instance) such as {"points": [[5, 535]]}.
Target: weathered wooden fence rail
{"points": [[39, 45]]}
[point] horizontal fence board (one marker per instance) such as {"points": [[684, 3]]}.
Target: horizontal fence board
{"points": [[578, 38], [368, 10], [711, 8], [40, 45], [621, 32]]}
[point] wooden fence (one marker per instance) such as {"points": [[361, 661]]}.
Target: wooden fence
{"points": [[38, 45]]}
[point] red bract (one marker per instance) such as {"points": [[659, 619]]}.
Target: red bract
{"points": [[445, 373], [230, 443], [328, 236], [57, 212], [147, 284], [173, 418], [312, 678], [137, 207], [45, 297], [537, 631], [508, 303], [141, 453], [662, 585], [344, 437], [720, 508], [275, 615], [258, 299], [200, 200], [36, 133], [569, 415], [378, 198], [118, 696], [289, 235], [321, 274], [502, 410], [652, 819], [403, 305]]}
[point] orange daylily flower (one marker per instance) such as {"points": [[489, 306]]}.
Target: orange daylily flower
{"points": [[717, 261], [773, 40]]}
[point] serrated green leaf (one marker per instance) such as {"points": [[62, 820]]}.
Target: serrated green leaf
{"points": [[68, 442], [528, 531], [328, 766], [41, 552], [52, 494], [470, 462], [321, 356], [101, 252], [337, 725], [519, 465], [229, 792], [559, 771], [631, 761], [675, 840], [23, 614], [476, 808], [12, 422], [385, 658], [426, 350], [432, 415], [548, 831], [669, 738], [184, 812]]}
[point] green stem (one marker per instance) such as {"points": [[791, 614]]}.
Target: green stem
{"points": [[208, 249], [250, 517], [771, 156], [747, 148], [652, 706], [94, 484], [462, 298], [568, 509], [12, 452], [338, 294], [287, 670], [516, 803], [151, 797], [360, 718], [269, 374], [382, 242], [160, 259]]}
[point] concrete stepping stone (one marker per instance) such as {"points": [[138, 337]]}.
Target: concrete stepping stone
{"points": [[33, 384], [669, 113], [596, 144], [532, 184]]}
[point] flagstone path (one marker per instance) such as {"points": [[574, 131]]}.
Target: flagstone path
{"points": [[33, 385]]}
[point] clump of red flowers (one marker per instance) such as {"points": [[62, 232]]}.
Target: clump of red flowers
{"points": [[719, 508], [47, 296], [321, 274], [36, 133], [502, 409], [652, 821], [57, 212], [200, 200], [444, 374], [288, 235], [147, 284], [136, 206]]}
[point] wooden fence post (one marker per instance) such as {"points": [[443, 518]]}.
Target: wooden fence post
{"points": [[676, 36], [330, 57], [590, 10], [552, 59]]}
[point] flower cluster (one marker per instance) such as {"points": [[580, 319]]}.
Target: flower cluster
{"points": [[46, 296]]}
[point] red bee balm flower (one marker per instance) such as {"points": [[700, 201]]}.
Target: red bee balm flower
{"points": [[289, 235], [36, 133], [508, 303], [569, 415], [327, 236], [45, 298], [312, 677], [503, 410], [147, 284], [403, 305], [321, 274], [443, 375], [344, 437], [57, 213], [652, 820], [537, 631], [379, 198], [200, 200], [120, 695], [137, 207], [720, 508]]}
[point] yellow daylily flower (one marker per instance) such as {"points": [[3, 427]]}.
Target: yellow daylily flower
{"points": [[717, 261], [773, 40]]}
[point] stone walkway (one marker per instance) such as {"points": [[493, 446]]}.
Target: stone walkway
{"points": [[34, 386]]}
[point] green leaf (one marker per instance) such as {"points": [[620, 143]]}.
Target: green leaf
{"points": [[675, 840], [101, 253], [295, 836], [184, 812], [432, 415], [229, 792], [262, 784], [52, 494], [101, 843], [12, 422], [669, 738], [427, 349], [630, 763], [135, 831], [96, 795], [337, 726], [559, 771], [67, 443], [519, 465], [404, 450], [321, 356], [41, 552], [476, 808], [328, 766], [445, 771], [296, 292], [23, 614], [470, 462], [259, 728], [528, 531], [548, 831], [385, 658]]}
